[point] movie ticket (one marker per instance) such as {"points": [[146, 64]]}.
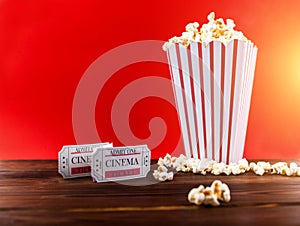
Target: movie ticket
{"points": [[75, 160], [120, 163]]}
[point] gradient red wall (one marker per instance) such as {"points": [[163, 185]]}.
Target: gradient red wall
{"points": [[46, 46]]}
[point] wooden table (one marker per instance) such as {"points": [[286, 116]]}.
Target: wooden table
{"points": [[33, 193]]}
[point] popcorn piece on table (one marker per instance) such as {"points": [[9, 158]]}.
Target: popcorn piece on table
{"points": [[235, 168], [201, 165], [210, 195], [204, 166], [241, 167], [180, 163], [260, 168], [253, 166], [265, 165], [196, 195], [162, 174], [227, 170], [293, 168], [279, 168], [192, 164], [167, 160], [219, 168], [244, 165], [221, 190]]}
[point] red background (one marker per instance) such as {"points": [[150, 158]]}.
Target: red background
{"points": [[46, 46]]}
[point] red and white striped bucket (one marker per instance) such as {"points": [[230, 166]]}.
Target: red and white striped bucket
{"points": [[212, 86]]}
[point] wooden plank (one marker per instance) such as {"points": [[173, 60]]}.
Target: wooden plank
{"points": [[33, 193]]}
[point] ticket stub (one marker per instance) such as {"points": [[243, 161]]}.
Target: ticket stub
{"points": [[75, 160], [120, 163]]}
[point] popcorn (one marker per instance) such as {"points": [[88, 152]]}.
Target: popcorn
{"points": [[188, 35], [279, 168], [196, 195], [235, 168], [161, 173], [167, 160], [227, 170], [204, 166], [260, 167], [244, 165], [288, 172], [192, 165], [259, 171], [213, 30], [218, 168], [294, 168], [192, 27], [210, 195], [253, 166], [180, 163], [221, 190], [265, 165]]}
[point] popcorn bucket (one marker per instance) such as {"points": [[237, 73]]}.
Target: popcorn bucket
{"points": [[212, 86]]}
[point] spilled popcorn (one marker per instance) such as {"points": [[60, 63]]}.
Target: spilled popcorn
{"points": [[218, 191], [204, 166], [213, 30], [162, 174]]}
